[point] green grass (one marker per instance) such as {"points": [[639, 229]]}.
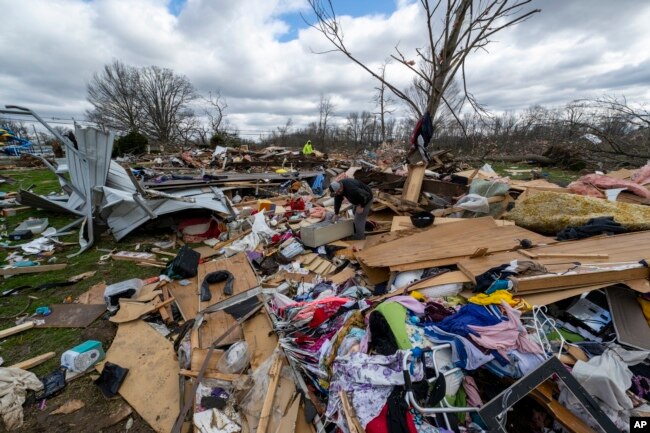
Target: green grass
{"points": [[552, 174], [37, 341]]}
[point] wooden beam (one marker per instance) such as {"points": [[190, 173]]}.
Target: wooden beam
{"points": [[541, 283], [33, 362], [353, 422], [274, 374], [16, 329]]}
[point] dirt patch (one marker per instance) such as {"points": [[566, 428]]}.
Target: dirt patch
{"points": [[98, 415]]}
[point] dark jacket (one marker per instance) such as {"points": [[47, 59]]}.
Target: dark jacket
{"points": [[357, 193]]}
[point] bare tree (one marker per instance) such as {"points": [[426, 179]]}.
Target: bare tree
{"points": [[325, 112], [215, 110], [455, 29], [284, 130], [383, 101], [113, 94], [165, 97]]}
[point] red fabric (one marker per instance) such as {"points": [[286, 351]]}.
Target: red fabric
{"points": [[380, 423]]}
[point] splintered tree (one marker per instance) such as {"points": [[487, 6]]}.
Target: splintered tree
{"points": [[454, 29]]}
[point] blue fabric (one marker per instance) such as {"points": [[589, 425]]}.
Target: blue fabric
{"points": [[464, 353], [317, 186], [470, 314]]}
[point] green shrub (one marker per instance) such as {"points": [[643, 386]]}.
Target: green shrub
{"points": [[132, 143]]}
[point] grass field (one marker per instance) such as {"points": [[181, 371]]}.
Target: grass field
{"points": [[34, 342]]}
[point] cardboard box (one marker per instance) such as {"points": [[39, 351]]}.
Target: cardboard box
{"points": [[325, 232]]}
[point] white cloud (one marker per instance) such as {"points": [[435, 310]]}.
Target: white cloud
{"points": [[51, 48]]}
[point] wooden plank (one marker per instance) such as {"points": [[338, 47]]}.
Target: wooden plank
{"points": [[454, 277], [274, 374], [376, 275], [261, 338], [212, 375], [32, 269], [33, 362], [353, 422], [620, 248], [404, 222], [550, 297], [541, 283], [16, 329], [413, 184], [151, 387]]}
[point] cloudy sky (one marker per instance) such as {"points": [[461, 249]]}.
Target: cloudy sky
{"points": [[260, 54]]}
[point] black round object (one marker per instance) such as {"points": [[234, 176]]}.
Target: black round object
{"points": [[422, 219]]}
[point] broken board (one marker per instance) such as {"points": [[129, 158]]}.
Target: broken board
{"points": [[261, 338], [151, 386], [94, 295], [72, 315], [620, 248]]}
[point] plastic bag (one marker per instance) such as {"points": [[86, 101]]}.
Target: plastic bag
{"points": [[235, 359], [474, 203]]}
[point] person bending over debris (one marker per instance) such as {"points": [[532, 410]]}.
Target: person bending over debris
{"points": [[307, 149], [357, 193]]}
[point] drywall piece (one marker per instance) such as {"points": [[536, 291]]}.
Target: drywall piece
{"points": [[325, 232], [151, 387], [72, 315]]}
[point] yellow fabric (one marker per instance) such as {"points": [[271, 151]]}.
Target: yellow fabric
{"points": [[417, 295], [645, 307], [307, 149], [497, 297]]}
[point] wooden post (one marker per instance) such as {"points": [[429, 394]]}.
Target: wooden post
{"points": [[33, 362]]}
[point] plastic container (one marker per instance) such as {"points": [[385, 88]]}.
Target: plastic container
{"points": [[123, 289], [34, 225], [80, 358], [235, 359]]}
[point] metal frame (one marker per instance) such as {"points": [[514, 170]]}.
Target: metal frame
{"points": [[493, 413]]}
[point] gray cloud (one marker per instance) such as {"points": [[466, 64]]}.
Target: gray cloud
{"points": [[573, 49]]}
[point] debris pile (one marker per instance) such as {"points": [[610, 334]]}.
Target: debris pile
{"points": [[470, 303]]}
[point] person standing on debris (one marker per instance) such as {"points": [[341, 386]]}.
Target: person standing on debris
{"points": [[357, 193], [307, 149]]}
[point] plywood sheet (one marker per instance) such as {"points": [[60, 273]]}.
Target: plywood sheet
{"points": [[404, 222], [260, 337], [448, 241], [187, 297], [214, 325], [413, 184], [620, 248], [151, 386], [72, 315], [206, 252], [546, 298]]}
